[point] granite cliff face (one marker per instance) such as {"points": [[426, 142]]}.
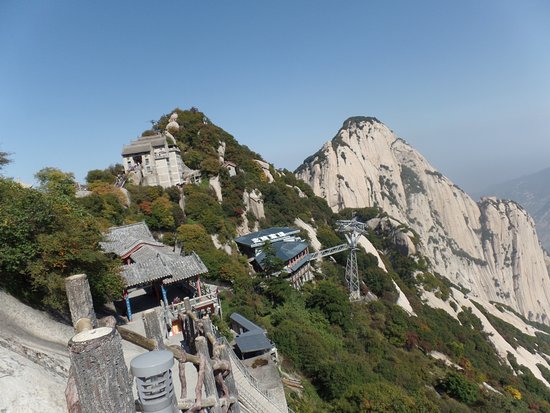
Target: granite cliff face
{"points": [[490, 248], [533, 193]]}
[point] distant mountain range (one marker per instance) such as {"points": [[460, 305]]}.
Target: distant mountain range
{"points": [[533, 193]]}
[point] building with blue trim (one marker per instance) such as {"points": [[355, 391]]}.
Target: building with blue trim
{"points": [[286, 245]]}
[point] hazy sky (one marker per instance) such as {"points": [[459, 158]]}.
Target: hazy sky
{"points": [[465, 82]]}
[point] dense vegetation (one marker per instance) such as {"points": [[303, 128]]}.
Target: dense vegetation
{"points": [[351, 357], [45, 236]]}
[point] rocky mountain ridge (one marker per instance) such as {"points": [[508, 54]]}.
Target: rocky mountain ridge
{"points": [[489, 248], [532, 192]]}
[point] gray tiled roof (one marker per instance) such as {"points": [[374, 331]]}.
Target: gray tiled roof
{"points": [[154, 140], [253, 339], [152, 260], [185, 267], [147, 252], [120, 240], [144, 272], [144, 144], [169, 269], [135, 148]]}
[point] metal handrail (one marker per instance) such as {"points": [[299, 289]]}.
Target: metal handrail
{"points": [[245, 371], [251, 400], [328, 251], [252, 381]]}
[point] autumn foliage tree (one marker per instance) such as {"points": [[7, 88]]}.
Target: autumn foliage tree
{"points": [[45, 236]]}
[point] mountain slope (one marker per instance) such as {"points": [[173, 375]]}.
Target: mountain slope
{"points": [[342, 356], [533, 193], [490, 248]]}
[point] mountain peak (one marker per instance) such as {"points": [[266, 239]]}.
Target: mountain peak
{"points": [[358, 119], [471, 244]]}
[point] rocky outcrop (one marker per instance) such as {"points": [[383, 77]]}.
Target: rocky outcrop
{"points": [[490, 248], [214, 184], [254, 202], [533, 193], [402, 236], [298, 191], [311, 233], [225, 247], [531, 360], [265, 169], [221, 152]]}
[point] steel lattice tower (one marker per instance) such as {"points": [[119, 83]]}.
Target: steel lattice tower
{"points": [[352, 229]]}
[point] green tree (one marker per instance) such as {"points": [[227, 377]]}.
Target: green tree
{"points": [[100, 175], [161, 214], [211, 165], [194, 237], [379, 282], [332, 300], [45, 237], [278, 290], [4, 159], [202, 207], [271, 263], [55, 181], [327, 237], [460, 388], [380, 397]]}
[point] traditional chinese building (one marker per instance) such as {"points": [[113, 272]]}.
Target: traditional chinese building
{"points": [[153, 161], [231, 168], [156, 160], [286, 245], [149, 263]]}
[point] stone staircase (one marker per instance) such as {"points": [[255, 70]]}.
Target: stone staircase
{"points": [[253, 397]]}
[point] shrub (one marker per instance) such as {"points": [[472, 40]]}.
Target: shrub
{"points": [[515, 393], [460, 388]]}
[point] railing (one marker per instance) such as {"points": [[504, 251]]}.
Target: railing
{"points": [[250, 400], [120, 181], [251, 380], [242, 368], [328, 251], [196, 303], [211, 298]]}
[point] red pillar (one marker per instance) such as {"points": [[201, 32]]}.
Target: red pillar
{"points": [[199, 285]]}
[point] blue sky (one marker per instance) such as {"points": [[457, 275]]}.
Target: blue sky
{"points": [[466, 83]]}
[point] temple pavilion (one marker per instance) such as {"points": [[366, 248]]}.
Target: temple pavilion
{"points": [[149, 263]]}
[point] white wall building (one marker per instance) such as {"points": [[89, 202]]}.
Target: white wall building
{"points": [[155, 160]]}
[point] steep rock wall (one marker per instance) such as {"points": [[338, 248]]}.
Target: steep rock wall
{"points": [[491, 248]]}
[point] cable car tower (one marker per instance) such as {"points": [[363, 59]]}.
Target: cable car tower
{"points": [[352, 230]]}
